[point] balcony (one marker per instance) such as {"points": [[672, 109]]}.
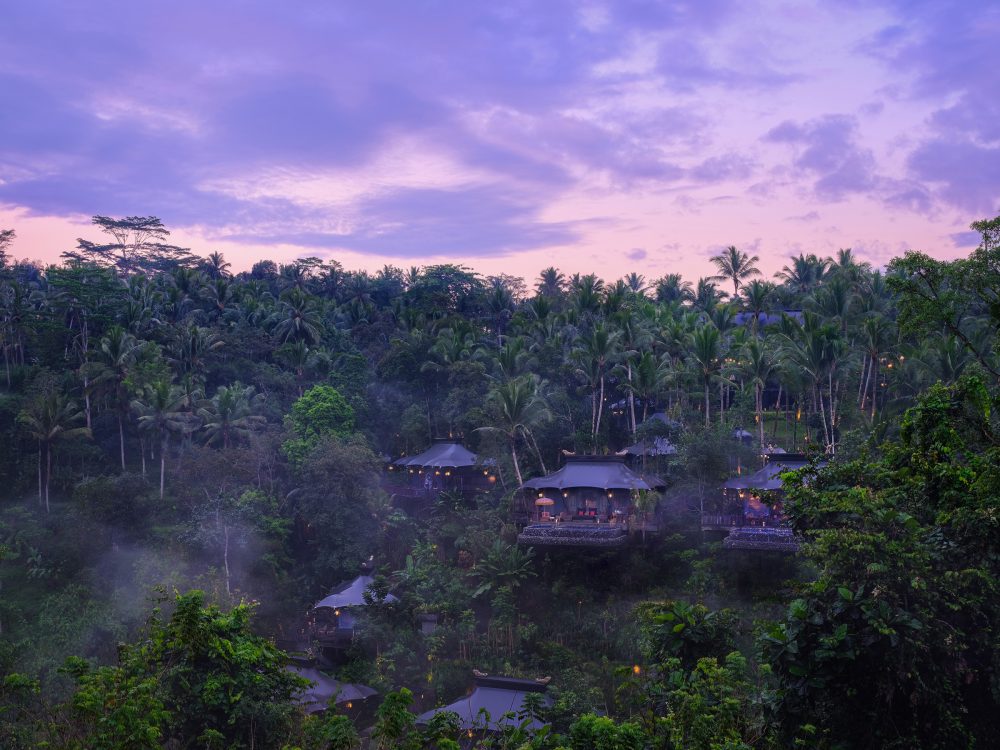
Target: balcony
{"points": [[762, 538], [573, 534]]}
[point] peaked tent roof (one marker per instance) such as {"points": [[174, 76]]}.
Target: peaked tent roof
{"points": [[497, 696], [317, 696], [769, 477], [442, 453], [658, 446], [351, 594], [598, 472]]}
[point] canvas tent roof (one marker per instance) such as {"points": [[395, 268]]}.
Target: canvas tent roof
{"points": [[599, 472], [658, 446], [442, 453], [350, 594], [495, 695], [769, 477], [317, 696]]}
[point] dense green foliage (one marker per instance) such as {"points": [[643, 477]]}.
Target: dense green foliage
{"points": [[170, 426]]}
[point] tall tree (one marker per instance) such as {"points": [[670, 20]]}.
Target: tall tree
{"points": [[49, 419], [736, 266], [161, 414]]}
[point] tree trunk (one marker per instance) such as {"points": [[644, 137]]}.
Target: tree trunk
{"points": [[48, 473], [121, 438], [707, 422], [513, 455], [631, 398], [39, 473], [163, 463], [759, 405]]}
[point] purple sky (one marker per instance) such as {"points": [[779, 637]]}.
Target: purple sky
{"points": [[605, 136]]}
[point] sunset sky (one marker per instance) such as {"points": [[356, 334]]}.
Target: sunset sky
{"points": [[506, 136]]}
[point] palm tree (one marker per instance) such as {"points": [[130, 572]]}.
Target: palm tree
{"points": [[551, 283], [519, 407], [757, 299], [215, 266], [594, 355], [650, 377], [636, 282], [758, 366], [875, 337], [672, 288], [230, 414], [805, 273], [586, 292], [116, 354], [161, 413], [706, 296], [706, 350], [191, 347], [297, 317], [634, 337], [736, 266], [50, 418]]}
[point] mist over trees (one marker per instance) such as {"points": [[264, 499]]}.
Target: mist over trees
{"points": [[193, 457]]}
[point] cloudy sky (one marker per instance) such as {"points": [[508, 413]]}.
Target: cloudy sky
{"points": [[508, 136]]}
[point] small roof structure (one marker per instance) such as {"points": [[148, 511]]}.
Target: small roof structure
{"points": [[769, 477], [767, 318], [443, 453], [658, 446], [661, 416], [496, 696], [350, 594], [317, 696], [598, 472]]}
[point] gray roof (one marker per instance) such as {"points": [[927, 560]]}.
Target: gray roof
{"points": [[317, 696], [769, 477], [442, 453], [350, 594], [497, 696], [658, 446], [767, 318], [598, 472]]}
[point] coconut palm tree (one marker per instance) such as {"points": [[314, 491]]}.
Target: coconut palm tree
{"points": [[594, 356], [706, 351], [297, 317], [49, 419], [161, 414], [116, 355], [757, 368], [736, 266], [519, 408], [551, 283], [649, 378], [805, 272], [757, 300], [215, 266], [231, 414], [672, 288]]}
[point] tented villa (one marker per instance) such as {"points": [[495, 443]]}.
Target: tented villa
{"points": [[590, 501], [446, 465]]}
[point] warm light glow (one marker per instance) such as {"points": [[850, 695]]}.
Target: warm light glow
{"points": [[636, 669], [350, 704], [336, 612]]}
